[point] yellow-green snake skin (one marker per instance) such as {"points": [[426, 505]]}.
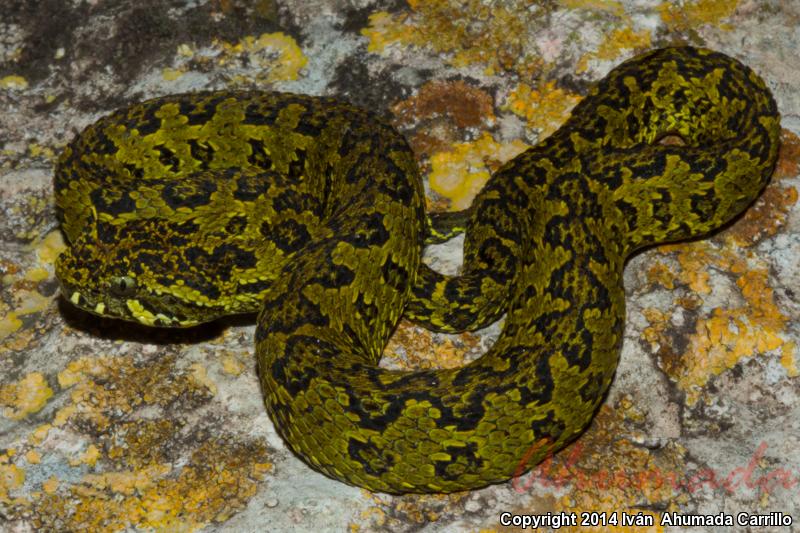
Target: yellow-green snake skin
{"points": [[186, 208]]}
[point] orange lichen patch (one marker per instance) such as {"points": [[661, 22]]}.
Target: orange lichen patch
{"points": [[440, 112], [124, 482], [605, 472], [89, 457], [459, 173], [460, 103], [8, 271], [659, 274], [545, 108], [766, 217], [723, 336], [218, 480], [423, 352], [107, 388], [693, 260], [33, 457], [50, 485], [393, 512], [139, 443], [139, 484], [427, 141], [26, 396], [39, 434], [654, 333], [691, 14], [11, 477], [690, 301], [613, 43], [788, 165], [471, 31]]}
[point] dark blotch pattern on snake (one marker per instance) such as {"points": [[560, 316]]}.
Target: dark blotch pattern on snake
{"points": [[190, 207]]}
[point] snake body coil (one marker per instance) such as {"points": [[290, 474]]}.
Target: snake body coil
{"points": [[185, 208]]}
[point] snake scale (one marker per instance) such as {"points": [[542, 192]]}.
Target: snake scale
{"points": [[186, 208]]}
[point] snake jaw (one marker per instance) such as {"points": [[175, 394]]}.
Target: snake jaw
{"points": [[130, 309]]}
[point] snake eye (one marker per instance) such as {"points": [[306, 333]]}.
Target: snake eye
{"points": [[123, 286]]}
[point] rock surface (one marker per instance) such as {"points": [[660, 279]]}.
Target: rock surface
{"points": [[108, 426]]}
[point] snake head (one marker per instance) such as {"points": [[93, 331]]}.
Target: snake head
{"points": [[150, 271]]}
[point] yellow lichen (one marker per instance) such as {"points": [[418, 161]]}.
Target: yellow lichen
{"points": [[694, 13], [30, 301], [545, 108], [50, 248], [127, 483], [133, 386], [384, 30], [171, 74], [660, 274], [471, 32], [611, 6], [37, 274], [139, 484], [788, 359], [33, 457], [290, 58], [231, 365], [29, 395], [50, 485], [9, 324], [37, 150], [13, 82], [90, 456], [218, 480], [278, 55], [619, 39], [200, 375], [421, 350], [723, 336], [458, 174], [39, 434], [185, 50], [11, 477], [63, 415]]}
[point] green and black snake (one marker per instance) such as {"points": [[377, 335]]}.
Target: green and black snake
{"points": [[186, 208]]}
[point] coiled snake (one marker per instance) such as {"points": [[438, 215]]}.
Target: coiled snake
{"points": [[185, 208]]}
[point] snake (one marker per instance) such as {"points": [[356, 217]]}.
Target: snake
{"points": [[311, 212]]}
